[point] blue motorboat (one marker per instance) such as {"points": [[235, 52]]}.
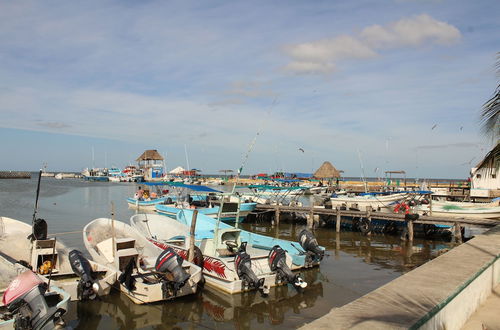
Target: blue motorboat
{"points": [[172, 210], [306, 253]]}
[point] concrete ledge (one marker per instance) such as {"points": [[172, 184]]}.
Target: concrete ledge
{"points": [[441, 294]]}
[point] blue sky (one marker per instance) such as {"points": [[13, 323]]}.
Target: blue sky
{"points": [[389, 85]]}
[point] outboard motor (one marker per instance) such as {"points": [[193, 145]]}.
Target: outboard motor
{"points": [[310, 244], [39, 230], [26, 303], [277, 263], [171, 262], [243, 264], [87, 286]]}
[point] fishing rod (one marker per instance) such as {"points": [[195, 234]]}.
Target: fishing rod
{"points": [[250, 148], [36, 199]]}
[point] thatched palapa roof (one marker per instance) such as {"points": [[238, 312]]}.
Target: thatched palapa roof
{"points": [[326, 171], [150, 155]]}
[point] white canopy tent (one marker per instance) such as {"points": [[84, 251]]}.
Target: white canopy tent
{"points": [[177, 170]]}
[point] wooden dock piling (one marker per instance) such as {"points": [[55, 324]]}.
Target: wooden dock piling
{"points": [[370, 215], [337, 224]]}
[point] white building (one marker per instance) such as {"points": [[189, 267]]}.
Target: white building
{"points": [[485, 177]]}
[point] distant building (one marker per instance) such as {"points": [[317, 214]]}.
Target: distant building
{"points": [[151, 164], [485, 177]]}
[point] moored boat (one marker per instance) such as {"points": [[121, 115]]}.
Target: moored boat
{"points": [[27, 301], [146, 275], [83, 279], [229, 263]]}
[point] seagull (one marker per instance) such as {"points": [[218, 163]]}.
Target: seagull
{"points": [[433, 127], [301, 149]]}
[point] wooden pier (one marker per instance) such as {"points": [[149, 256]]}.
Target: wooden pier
{"points": [[370, 215]]}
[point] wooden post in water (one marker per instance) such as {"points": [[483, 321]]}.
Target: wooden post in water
{"points": [[410, 230], [337, 224], [369, 218], [430, 205], [337, 245], [277, 215], [310, 219], [191, 235], [457, 233]]}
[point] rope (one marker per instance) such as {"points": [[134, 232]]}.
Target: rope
{"points": [[66, 233]]}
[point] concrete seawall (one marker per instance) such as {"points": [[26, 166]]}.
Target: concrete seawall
{"points": [[14, 175], [441, 294]]}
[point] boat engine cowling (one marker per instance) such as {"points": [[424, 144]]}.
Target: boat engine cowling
{"points": [[243, 264], [310, 244], [170, 262], [277, 263], [26, 303], [87, 286], [39, 229]]}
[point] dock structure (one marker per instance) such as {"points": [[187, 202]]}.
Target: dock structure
{"points": [[441, 294], [370, 214], [15, 175]]}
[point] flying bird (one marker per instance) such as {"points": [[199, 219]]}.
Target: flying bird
{"points": [[461, 127], [433, 127], [301, 149]]}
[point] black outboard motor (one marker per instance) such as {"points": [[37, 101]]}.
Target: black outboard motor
{"points": [[39, 230], [277, 263], [171, 262], [310, 244], [243, 264], [25, 299], [87, 286]]}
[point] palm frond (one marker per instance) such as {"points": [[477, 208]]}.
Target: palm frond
{"points": [[490, 113]]}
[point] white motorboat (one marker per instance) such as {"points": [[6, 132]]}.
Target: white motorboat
{"points": [[375, 201], [83, 279], [228, 264], [27, 301], [139, 263]]}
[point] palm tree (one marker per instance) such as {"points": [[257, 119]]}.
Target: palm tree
{"points": [[490, 114]]}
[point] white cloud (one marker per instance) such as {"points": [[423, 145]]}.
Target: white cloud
{"points": [[302, 67], [322, 56], [413, 32]]}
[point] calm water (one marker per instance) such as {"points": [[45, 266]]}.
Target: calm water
{"points": [[354, 265]]}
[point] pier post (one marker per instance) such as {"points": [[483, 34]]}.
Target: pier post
{"points": [[277, 215], [337, 224], [410, 230], [337, 245], [310, 219], [369, 219], [457, 233], [430, 205]]}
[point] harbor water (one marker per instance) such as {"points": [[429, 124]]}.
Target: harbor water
{"points": [[353, 266]]}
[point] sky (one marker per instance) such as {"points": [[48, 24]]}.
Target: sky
{"points": [[268, 86]]}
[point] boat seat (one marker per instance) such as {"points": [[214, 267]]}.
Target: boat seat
{"points": [[44, 250]]}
